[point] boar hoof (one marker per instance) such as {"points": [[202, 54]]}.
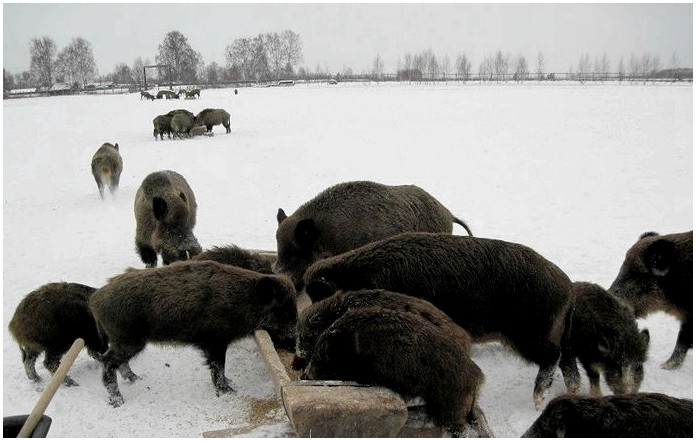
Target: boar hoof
{"points": [[223, 388], [671, 364], [70, 382], [116, 400]]}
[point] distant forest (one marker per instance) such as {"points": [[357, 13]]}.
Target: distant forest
{"points": [[273, 57]]}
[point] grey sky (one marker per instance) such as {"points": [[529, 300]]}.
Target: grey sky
{"points": [[337, 35]]}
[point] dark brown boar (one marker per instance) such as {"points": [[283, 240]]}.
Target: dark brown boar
{"points": [[491, 288], [49, 319], [317, 317], [643, 415], [162, 124], [107, 166], [657, 274], [205, 304], [605, 338], [234, 255], [182, 123], [407, 354], [165, 214], [147, 96], [213, 117], [352, 214]]}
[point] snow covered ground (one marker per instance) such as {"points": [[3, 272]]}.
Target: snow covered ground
{"points": [[577, 172]]}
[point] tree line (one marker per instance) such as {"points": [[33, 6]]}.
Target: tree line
{"points": [[261, 58]]}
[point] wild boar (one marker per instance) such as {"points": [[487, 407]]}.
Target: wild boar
{"points": [[234, 255], [491, 288], [317, 317], [193, 93], [605, 338], [205, 304], [182, 123], [409, 355], [657, 274], [162, 124], [643, 415], [107, 166], [49, 319], [351, 214], [165, 215], [146, 95], [213, 117]]}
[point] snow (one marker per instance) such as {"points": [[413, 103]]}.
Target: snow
{"points": [[576, 172]]}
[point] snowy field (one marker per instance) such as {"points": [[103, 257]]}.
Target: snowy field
{"points": [[576, 172]]}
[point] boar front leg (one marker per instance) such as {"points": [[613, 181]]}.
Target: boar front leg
{"points": [[684, 343], [215, 357]]}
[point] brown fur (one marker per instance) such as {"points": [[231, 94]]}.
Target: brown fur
{"points": [[49, 319], [657, 274], [213, 117], [205, 304], [165, 214], [234, 255], [107, 166], [182, 123], [351, 214]]}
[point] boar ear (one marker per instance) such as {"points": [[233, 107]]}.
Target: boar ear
{"points": [[116, 146], [648, 234], [645, 337], [305, 233], [659, 257], [281, 216], [159, 207]]}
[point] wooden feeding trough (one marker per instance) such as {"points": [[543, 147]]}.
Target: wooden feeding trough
{"points": [[336, 408]]}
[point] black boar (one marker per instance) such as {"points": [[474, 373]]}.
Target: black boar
{"points": [[147, 96], [657, 274], [234, 255], [165, 215], [643, 415], [50, 319], [107, 166], [604, 336], [162, 124], [351, 214], [182, 123], [317, 317], [205, 304], [213, 117], [491, 288], [408, 354]]}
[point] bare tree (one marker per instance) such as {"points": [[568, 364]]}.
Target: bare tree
{"points": [[445, 65], [42, 52], [634, 67], [463, 67], [540, 66], [292, 48], [500, 67], [419, 65], [377, 68], [122, 74], [177, 53], [137, 70], [584, 68], [487, 69], [8, 82], [521, 69], [655, 64], [76, 62], [604, 66], [621, 70], [273, 45]]}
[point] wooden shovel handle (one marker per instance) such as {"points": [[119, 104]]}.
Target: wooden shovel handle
{"points": [[53, 385]]}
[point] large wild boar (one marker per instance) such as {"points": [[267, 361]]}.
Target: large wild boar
{"points": [[162, 124], [605, 338], [351, 214], [165, 215], [234, 255], [213, 117], [205, 304], [644, 415], [491, 288], [317, 317], [107, 166], [657, 274], [408, 354], [182, 123], [49, 319]]}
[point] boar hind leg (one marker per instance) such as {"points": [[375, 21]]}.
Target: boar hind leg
{"points": [[29, 357], [684, 343], [571, 375], [52, 361], [215, 357], [116, 357], [147, 254], [478, 422]]}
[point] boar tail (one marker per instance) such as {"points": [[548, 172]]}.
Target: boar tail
{"points": [[456, 220]]}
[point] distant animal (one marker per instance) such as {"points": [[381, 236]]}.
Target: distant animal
{"points": [[107, 166], [161, 94], [408, 354], [235, 91], [205, 304], [171, 95], [213, 117], [147, 95], [605, 338], [165, 214], [182, 123], [193, 93], [351, 214], [657, 274], [643, 415], [234, 255], [162, 124], [49, 319], [491, 288]]}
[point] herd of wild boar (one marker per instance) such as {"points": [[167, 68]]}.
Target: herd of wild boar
{"points": [[398, 301]]}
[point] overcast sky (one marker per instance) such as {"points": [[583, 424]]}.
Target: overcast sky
{"points": [[338, 35]]}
